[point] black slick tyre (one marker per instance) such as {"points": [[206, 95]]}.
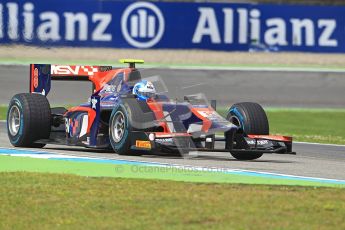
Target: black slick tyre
{"points": [[28, 120], [136, 116], [119, 128], [252, 118]]}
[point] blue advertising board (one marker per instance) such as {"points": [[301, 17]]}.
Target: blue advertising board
{"points": [[173, 25]]}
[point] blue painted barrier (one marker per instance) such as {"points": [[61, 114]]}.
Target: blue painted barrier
{"points": [[173, 25]]}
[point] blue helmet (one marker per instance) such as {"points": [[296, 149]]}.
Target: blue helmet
{"points": [[144, 90]]}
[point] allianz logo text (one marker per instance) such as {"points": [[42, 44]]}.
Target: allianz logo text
{"points": [[49, 26], [142, 24], [271, 31]]}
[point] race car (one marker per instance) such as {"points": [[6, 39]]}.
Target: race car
{"points": [[126, 114]]}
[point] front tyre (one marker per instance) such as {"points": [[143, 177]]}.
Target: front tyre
{"points": [[249, 116], [28, 120], [119, 128], [252, 118]]}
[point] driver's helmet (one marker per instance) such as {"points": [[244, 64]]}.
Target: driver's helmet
{"points": [[144, 90]]}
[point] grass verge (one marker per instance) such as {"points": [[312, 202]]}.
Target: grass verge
{"points": [[3, 112], [125, 170], [45, 201], [309, 125]]}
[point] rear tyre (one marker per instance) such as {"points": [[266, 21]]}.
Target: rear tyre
{"points": [[28, 120], [252, 119]]}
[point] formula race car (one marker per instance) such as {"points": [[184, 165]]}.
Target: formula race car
{"points": [[126, 114]]}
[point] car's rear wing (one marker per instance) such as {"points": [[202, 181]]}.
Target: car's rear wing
{"points": [[41, 75]]}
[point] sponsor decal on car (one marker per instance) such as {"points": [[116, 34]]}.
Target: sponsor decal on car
{"points": [[165, 140], [143, 144], [73, 70], [258, 142], [36, 78]]}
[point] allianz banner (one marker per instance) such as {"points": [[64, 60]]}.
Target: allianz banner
{"points": [[215, 26]]}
